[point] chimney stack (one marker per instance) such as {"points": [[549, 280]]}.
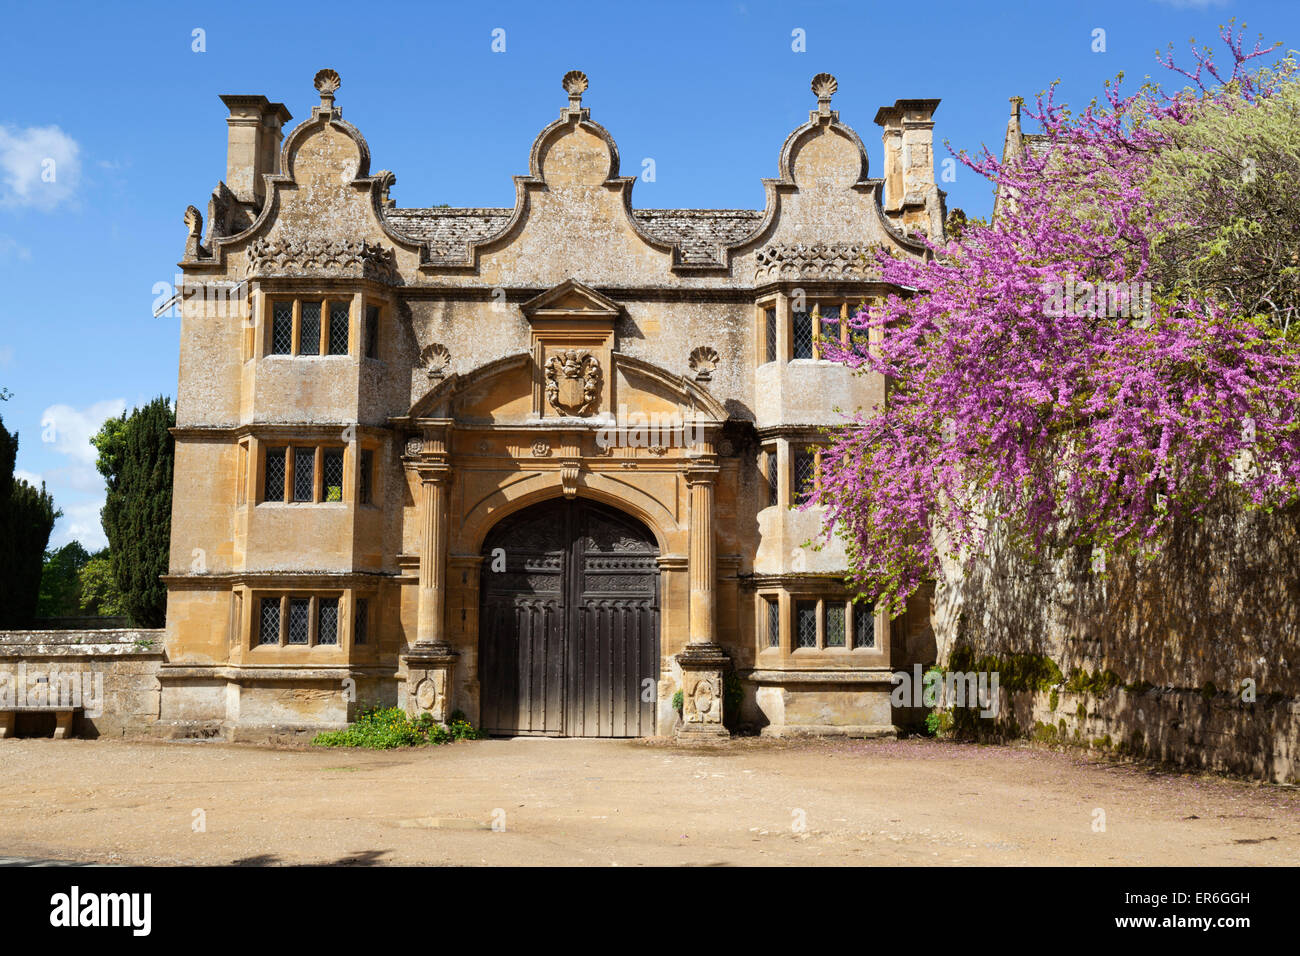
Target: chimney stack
{"points": [[255, 130], [911, 200]]}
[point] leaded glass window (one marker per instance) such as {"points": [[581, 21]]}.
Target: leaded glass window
{"points": [[770, 337], [269, 621], [327, 621], [806, 624], [273, 486], [281, 328], [773, 622], [363, 479], [332, 473], [773, 488], [803, 335], [833, 628], [304, 474], [805, 473], [309, 329], [361, 630], [299, 620], [864, 624], [338, 338], [831, 315]]}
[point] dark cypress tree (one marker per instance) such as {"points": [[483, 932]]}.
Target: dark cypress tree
{"points": [[135, 455], [27, 517]]}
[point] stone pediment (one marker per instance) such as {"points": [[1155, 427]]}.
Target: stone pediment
{"points": [[571, 300]]}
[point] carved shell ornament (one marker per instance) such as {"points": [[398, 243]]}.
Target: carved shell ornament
{"points": [[703, 361], [575, 84], [327, 83], [824, 86], [436, 359], [573, 382]]}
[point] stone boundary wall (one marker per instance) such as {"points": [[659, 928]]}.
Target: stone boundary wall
{"points": [[119, 666], [1192, 729], [1206, 636]]}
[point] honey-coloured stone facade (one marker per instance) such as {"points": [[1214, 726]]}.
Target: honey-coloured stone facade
{"points": [[367, 391]]}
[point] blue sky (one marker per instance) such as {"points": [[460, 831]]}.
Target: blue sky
{"points": [[126, 107]]}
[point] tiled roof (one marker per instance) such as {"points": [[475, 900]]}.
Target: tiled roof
{"points": [[699, 234]]}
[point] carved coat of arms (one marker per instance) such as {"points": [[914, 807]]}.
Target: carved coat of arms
{"points": [[573, 382]]}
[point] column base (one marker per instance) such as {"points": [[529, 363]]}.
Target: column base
{"points": [[704, 668]]}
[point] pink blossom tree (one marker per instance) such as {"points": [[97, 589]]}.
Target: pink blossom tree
{"points": [[1052, 376]]}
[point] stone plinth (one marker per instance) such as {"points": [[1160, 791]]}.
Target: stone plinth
{"points": [[429, 672], [704, 668]]}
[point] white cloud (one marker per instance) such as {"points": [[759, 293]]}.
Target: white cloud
{"points": [[80, 522], [40, 166], [69, 429], [30, 477]]}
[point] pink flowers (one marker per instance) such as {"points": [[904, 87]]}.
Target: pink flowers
{"points": [[1046, 386]]}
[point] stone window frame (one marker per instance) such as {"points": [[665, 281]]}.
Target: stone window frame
{"points": [[788, 605], [342, 626], [781, 305], [289, 448], [327, 302]]}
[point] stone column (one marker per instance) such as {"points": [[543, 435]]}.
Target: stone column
{"points": [[703, 662], [433, 554]]}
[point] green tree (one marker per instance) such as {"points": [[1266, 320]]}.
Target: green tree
{"points": [[60, 593], [100, 594], [27, 517], [136, 453]]}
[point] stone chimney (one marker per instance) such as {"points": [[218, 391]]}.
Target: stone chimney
{"points": [[255, 130], [912, 201]]}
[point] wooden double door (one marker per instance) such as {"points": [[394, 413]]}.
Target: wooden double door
{"points": [[569, 623]]}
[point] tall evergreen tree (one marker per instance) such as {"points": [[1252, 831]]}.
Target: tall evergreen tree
{"points": [[136, 452], [27, 517]]}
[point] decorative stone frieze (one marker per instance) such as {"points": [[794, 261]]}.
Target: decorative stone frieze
{"points": [[346, 258], [825, 262]]}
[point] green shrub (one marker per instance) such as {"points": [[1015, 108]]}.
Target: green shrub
{"points": [[678, 699], [383, 728]]}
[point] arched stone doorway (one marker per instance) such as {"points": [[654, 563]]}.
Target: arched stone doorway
{"points": [[569, 623]]}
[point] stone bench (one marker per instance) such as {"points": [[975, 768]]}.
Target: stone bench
{"points": [[64, 717]]}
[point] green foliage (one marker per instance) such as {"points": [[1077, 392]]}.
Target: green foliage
{"points": [[60, 593], [678, 699], [1053, 699], [383, 728], [27, 517], [136, 453], [1226, 189], [938, 723], [98, 587]]}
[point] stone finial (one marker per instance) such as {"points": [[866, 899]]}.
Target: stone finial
{"points": [[824, 86], [327, 83], [575, 84], [387, 180], [1016, 103]]}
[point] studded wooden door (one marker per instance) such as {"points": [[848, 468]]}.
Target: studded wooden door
{"points": [[569, 623]]}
